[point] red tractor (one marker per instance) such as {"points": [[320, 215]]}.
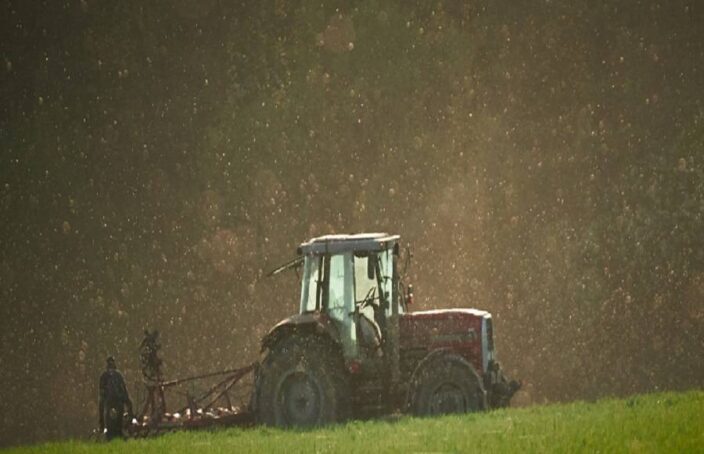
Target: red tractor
{"points": [[354, 350]]}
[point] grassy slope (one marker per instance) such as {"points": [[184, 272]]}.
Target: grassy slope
{"points": [[666, 422]]}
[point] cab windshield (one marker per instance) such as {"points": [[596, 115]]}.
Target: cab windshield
{"points": [[347, 273]]}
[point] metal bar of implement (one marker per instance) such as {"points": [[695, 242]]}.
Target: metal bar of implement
{"points": [[178, 381], [239, 373], [227, 399], [210, 391], [203, 396], [235, 379]]}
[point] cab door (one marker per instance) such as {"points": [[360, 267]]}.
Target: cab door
{"points": [[340, 302]]}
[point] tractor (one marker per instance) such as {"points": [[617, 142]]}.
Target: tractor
{"points": [[355, 351], [352, 351]]}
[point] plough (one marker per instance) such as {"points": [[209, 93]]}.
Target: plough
{"points": [[224, 403]]}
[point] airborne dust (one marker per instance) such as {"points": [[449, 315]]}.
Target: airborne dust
{"points": [[544, 160]]}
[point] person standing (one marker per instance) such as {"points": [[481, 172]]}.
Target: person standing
{"points": [[113, 400]]}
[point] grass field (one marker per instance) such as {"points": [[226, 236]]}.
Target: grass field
{"points": [[665, 422]]}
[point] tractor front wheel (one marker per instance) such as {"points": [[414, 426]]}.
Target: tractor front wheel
{"points": [[301, 383], [446, 384]]}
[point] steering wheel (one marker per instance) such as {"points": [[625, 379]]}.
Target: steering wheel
{"points": [[368, 299]]}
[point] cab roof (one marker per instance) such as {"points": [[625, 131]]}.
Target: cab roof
{"points": [[336, 244]]}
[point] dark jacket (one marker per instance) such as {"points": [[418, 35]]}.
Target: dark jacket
{"points": [[113, 396]]}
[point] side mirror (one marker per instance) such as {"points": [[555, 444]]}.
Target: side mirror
{"points": [[371, 266]]}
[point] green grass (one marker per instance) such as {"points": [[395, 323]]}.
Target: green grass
{"points": [[666, 422]]}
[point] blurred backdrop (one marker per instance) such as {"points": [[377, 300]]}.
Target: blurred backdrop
{"points": [[544, 161]]}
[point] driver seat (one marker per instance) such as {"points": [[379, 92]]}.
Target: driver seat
{"points": [[369, 336]]}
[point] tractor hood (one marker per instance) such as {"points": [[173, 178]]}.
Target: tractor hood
{"points": [[467, 331]]}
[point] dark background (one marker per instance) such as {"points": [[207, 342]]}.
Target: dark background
{"points": [[545, 161]]}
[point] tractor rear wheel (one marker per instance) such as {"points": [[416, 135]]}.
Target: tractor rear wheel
{"points": [[302, 383], [446, 384]]}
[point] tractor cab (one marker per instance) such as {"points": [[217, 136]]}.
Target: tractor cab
{"points": [[350, 280]]}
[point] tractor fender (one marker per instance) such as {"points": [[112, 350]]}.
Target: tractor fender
{"points": [[427, 362], [311, 322]]}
